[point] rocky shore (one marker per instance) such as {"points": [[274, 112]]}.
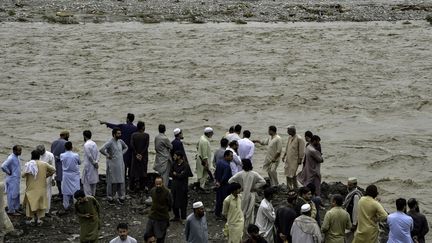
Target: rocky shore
{"points": [[202, 11]]}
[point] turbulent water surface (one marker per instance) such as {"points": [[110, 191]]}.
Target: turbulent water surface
{"points": [[363, 87]]}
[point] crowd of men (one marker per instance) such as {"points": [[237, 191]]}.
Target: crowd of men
{"points": [[228, 170]]}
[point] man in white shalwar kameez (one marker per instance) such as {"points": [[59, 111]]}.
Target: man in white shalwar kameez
{"points": [[246, 147], [235, 164], [113, 150], [266, 216], [305, 229], [71, 175], [163, 160], [47, 157], [250, 181], [204, 153], [90, 176]]}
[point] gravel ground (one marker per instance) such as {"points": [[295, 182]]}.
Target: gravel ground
{"points": [[201, 11]]}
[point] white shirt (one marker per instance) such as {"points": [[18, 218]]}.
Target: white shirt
{"points": [[48, 157], [236, 164], [232, 137], [128, 240], [246, 148]]}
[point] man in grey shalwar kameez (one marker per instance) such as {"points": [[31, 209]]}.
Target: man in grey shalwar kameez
{"points": [[311, 172], [90, 176], [163, 148], [115, 168]]}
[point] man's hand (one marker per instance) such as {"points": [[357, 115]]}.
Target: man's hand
{"points": [[282, 236], [87, 215], [53, 182], [102, 122], [96, 165], [353, 228], [217, 184], [139, 157]]}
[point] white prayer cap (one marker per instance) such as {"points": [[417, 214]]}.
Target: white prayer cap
{"points": [[352, 180], [177, 131], [198, 204], [291, 127], [305, 208], [208, 130]]}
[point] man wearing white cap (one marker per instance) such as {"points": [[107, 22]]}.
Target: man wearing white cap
{"points": [[177, 144], [305, 229], [203, 157], [293, 156], [351, 204], [196, 230]]}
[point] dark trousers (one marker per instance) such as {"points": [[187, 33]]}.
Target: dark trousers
{"points": [[221, 194], [181, 210], [58, 183], [137, 183]]}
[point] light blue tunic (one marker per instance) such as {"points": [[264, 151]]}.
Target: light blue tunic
{"points": [[71, 174], [12, 169]]}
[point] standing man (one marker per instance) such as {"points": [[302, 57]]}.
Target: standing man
{"points": [[6, 225], [57, 148], [12, 168], [336, 221], [250, 182], [351, 204], [235, 164], [47, 157], [305, 229], [305, 197], [421, 227], [177, 144], [370, 212], [266, 216], [246, 147], [90, 176], [163, 155], [139, 145], [180, 173], [311, 172], [123, 237], [196, 230], [400, 224], [293, 156], [219, 153], [235, 136], [113, 150], [203, 157], [35, 197], [127, 130], [285, 217], [273, 155], [88, 211], [232, 211], [222, 176], [158, 219], [71, 175]]}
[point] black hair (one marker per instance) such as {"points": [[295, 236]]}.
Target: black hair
{"points": [[68, 145], [233, 142], [233, 187], [122, 226], [162, 128], [312, 187], [231, 129], [400, 204], [35, 155], [308, 134], [227, 153], [79, 194], [246, 134], [140, 125], [130, 117], [178, 153], [252, 229], [237, 128], [338, 199], [303, 190], [412, 203], [15, 147], [268, 193], [115, 130], [315, 138], [148, 235], [224, 142], [87, 134], [272, 128], [247, 164], [371, 191]]}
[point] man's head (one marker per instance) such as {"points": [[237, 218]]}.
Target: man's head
{"points": [[337, 200], [292, 196], [228, 155], [291, 130], [371, 191], [246, 134], [234, 145], [253, 231], [305, 193], [208, 132], [413, 204], [64, 135], [237, 128], [352, 183], [159, 183], [224, 143], [234, 189], [141, 126], [162, 128], [79, 196], [130, 117], [308, 136], [247, 165], [315, 141], [116, 133], [68, 146], [41, 149], [305, 209], [17, 150], [272, 130], [231, 129], [178, 156], [35, 155], [401, 204], [122, 231], [198, 208], [178, 133], [268, 193], [149, 238], [87, 135]]}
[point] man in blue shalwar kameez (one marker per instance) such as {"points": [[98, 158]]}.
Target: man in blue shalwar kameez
{"points": [[222, 175], [12, 168]]}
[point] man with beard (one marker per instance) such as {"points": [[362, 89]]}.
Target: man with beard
{"points": [[12, 168], [71, 175], [158, 219], [177, 144], [305, 197], [351, 204], [400, 224], [139, 146], [196, 230], [421, 227], [163, 147], [266, 216], [305, 228], [123, 237], [293, 156], [203, 157], [180, 173]]}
